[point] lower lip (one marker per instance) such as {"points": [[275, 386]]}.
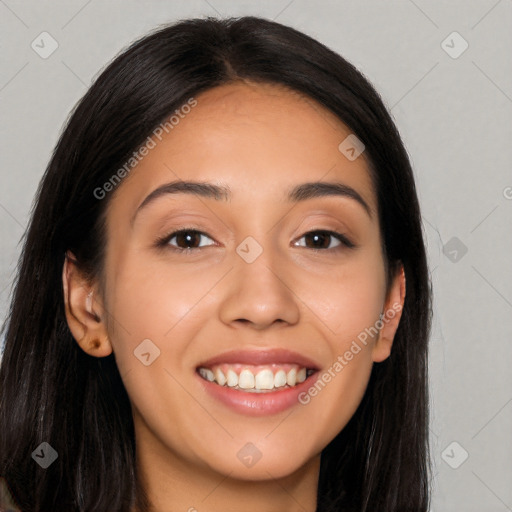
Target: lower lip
{"points": [[258, 404]]}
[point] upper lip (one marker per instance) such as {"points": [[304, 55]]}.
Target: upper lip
{"points": [[261, 357]]}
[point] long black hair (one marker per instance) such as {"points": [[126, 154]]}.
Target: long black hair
{"points": [[51, 391]]}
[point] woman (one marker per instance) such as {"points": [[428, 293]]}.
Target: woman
{"points": [[282, 361]]}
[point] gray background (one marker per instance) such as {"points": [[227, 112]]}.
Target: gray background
{"points": [[454, 115]]}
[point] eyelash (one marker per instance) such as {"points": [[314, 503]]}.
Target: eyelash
{"points": [[163, 242]]}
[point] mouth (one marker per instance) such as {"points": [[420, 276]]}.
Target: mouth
{"points": [[257, 382], [256, 378]]}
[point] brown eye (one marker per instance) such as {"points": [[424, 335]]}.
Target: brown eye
{"points": [[322, 239], [186, 239]]}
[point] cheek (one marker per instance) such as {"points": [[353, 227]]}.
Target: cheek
{"points": [[348, 306], [346, 299], [151, 300], [156, 302], [347, 303], [155, 313]]}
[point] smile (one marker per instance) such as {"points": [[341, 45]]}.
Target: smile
{"points": [[256, 378], [257, 382]]}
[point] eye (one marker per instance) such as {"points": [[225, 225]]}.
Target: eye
{"points": [[321, 239], [185, 239]]}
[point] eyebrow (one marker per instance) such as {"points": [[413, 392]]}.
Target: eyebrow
{"points": [[301, 192]]}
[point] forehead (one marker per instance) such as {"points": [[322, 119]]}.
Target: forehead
{"points": [[258, 139]]}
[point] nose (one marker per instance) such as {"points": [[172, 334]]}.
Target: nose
{"points": [[260, 294]]}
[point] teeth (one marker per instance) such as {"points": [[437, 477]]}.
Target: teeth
{"points": [[264, 379], [246, 380], [260, 379], [280, 379], [207, 374], [291, 378], [301, 375], [220, 377], [232, 379]]}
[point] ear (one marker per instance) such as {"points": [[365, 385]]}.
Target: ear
{"points": [[392, 312], [84, 313]]}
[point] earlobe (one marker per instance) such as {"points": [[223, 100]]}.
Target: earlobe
{"points": [[84, 314], [390, 319]]}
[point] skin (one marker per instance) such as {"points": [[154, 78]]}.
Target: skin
{"points": [[260, 140]]}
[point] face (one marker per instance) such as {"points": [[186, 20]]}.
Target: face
{"points": [[260, 286]]}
